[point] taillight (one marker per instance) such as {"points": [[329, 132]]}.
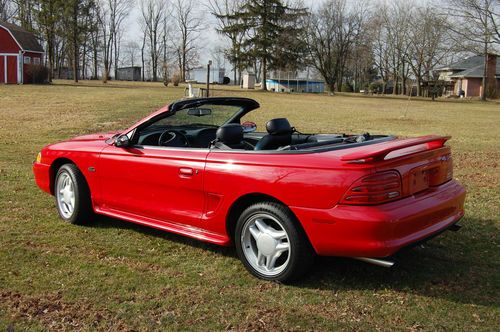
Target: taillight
{"points": [[374, 189], [449, 166]]}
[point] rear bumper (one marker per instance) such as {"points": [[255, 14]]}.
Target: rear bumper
{"points": [[42, 176], [380, 231]]}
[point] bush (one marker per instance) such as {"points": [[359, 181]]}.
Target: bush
{"points": [[36, 74], [176, 79], [346, 87], [376, 87]]}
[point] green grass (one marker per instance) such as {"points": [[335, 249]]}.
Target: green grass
{"points": [[113, 275]]}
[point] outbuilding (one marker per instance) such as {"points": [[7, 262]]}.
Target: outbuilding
{"points": [[199, 75], [128, 74], [295, 85], [19, 49]]}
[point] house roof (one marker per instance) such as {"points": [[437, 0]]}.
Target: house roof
{"points": [[26, 40], [470, 67]]}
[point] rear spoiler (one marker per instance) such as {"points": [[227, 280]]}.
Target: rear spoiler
{"points": [[378, 152]]}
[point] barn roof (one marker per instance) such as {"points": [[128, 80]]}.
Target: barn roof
{"points": [[26, 40]]}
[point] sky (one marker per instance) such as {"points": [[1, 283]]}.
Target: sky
{"points": [[208, 40]]}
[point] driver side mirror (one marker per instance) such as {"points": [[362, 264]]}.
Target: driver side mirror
{"points": [[122, 141]]}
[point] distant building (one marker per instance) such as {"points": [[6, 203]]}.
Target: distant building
{"points": [[248, 81], [128, 74], [199, 75], [295, 85], [466, 76], [19, 49]]}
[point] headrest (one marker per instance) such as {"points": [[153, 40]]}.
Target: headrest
{"points": [[279, 126], [231, 133]]}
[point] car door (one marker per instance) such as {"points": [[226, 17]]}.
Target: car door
{"points": [[161, 183]]}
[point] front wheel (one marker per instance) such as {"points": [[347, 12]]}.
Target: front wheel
{"points": [[72, 195], [271, 244]]}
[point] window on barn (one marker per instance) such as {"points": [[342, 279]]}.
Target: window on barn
{"points": [[27, 60], [36, 61]]}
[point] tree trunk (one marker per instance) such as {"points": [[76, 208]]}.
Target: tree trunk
{"points": [[75, 63], [142, 59], [116, 55], [84, 60], [95, 63], [50, 62], [483, 93], [235, 73], [183, 72], [154, 59], [264, 73]]}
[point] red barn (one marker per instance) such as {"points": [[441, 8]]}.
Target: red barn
{"points": [[18, 49]]}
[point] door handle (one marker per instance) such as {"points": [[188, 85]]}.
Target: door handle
{"points": [[186, 171]]}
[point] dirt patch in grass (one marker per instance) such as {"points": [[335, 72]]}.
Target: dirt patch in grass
{"points": [[53, 313]]}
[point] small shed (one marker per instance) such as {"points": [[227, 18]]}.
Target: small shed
{"points": [[128, 74], [19, 49], [295, 85], [249, 81]]}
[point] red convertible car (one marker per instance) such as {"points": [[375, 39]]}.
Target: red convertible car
{"points": [[198, 169]]}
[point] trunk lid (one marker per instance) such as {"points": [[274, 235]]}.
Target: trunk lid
{"points": [[423, 162]]}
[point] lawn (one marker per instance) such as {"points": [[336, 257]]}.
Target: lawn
{"points": [[113, 275]]}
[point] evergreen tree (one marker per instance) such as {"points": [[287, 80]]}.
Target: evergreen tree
{"points": [[75, 28], [47, 17], [272, 31]]}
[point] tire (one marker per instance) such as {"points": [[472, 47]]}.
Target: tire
{"points": [[72, 195], [271, 244]]}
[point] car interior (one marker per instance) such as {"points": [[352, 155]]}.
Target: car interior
{"points": [[231, 135]]}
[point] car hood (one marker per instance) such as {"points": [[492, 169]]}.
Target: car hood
{"points": [[95, 137]]}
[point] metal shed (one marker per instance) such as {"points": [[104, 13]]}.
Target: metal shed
{"points": [[129, 74]]}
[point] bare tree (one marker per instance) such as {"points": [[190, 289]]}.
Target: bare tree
{"points": [[95, 42], [112, 14], [153, 12], [188, 24], [381, 51], [106, 34], [7, 10], [475, 25], [25, 13], [131, 49], [119, 10], [143, 48], [392, 43], [332, 31], [429, 43]]}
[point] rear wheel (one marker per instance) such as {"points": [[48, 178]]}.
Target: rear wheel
{"points": [[72, 195], [271, 244]]}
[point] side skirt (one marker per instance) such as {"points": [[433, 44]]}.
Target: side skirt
{"points": [[185, 230]]}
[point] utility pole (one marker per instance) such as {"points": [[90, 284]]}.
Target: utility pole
{"points": [[208, 78]]}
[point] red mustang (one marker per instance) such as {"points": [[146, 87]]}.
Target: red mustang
{"points": [[195, 168]]}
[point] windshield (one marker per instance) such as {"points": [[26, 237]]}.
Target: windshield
{"points": [[204, 116]]}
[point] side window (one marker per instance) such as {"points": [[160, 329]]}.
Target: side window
{"points": [[36, 61], [27, 60]]}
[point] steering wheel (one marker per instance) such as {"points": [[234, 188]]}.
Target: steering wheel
{"points": [[173, 138]]}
